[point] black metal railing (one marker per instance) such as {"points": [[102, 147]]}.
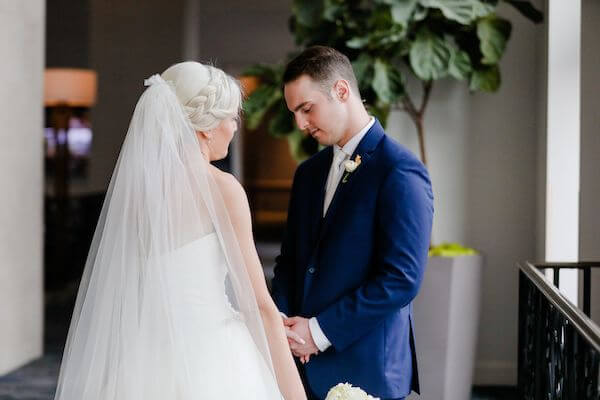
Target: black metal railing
{"points": [[584, 266], [559, 345]]}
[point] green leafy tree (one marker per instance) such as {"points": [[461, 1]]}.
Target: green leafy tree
{"points": [[389, 42]]}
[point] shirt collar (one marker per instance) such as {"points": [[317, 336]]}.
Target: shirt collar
{"points": [[352, 144]]}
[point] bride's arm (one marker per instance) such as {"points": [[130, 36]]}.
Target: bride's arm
{"points": [[286, 372]]}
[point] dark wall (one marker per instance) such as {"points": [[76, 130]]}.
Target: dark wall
{"points": [[68, 33], [237, 33], [130, 40]]}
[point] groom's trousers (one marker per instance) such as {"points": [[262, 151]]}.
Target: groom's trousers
{"points": [[309, 394]]}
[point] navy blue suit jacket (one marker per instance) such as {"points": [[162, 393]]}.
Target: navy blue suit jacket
{"points": [[358, 269]]}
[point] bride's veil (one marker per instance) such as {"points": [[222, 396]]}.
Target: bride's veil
{"points": [[124, 342]]}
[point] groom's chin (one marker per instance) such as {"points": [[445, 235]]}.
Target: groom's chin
{"points": [[323, 140]]}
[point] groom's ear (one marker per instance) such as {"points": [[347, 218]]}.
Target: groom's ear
{"points": [[341, 88]]}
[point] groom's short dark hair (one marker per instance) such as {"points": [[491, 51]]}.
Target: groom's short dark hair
{"points": [[322, 64]]}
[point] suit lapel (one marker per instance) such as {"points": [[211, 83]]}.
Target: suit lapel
{"points": [[365, 149]]}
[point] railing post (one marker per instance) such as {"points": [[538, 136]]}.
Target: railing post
{"points": [[587, 281]]}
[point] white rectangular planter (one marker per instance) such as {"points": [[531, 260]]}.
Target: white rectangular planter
{"points": [[446, 319]]}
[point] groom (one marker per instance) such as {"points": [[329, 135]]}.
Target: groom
{"points": [[357, 237]]}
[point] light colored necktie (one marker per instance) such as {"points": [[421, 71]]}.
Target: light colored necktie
{"points": [[334, 177]]}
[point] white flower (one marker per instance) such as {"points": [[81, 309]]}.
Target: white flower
{"points": [[350, 165], [345, 391]]}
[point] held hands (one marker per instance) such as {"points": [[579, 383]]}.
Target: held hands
{"points": [[299, 338]]}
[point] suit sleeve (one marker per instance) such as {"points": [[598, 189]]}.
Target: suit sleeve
{"points": [[403, 229], [282, 286]]}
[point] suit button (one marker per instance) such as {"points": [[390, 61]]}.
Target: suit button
{"points": [[311, 270]]}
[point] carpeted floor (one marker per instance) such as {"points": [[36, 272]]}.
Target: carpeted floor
{"points": [[37, 380]]}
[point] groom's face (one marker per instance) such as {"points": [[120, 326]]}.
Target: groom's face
{"points": [[317, 112]]}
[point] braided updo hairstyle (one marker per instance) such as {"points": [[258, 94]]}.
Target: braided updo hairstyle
{"points": [[208, 95]]}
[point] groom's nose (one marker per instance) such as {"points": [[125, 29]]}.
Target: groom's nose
{"points": [[301, 122]]}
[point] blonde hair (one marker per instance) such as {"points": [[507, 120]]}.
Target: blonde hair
{"points": [[208, 95]]}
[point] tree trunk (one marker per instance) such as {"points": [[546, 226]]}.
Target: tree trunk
{"points": [[418, 115], [421, 135]]}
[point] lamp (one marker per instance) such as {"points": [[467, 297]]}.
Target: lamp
{"points": [[69, 86], [68, 93], [66, 89]]}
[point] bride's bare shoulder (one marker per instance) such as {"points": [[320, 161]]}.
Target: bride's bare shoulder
{"points": [[231, 189]]}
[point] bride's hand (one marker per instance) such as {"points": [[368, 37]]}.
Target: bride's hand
{"points": [[293, 336], [300, 326]]}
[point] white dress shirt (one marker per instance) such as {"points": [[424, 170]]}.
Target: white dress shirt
{"points": [[340, 154]]}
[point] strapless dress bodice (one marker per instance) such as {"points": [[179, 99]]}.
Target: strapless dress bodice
{"points": [[196, 274]]}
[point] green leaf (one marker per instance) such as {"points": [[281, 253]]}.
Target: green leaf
{"points": [[282, 120], [380, 19], [363, 69], [258, 103], [357, 42], [402, 10], [294, 142], [401, 49], [527, 10], [420, 13], [486, 80], [387, 82], [493, 33], [429, 56], [301, 145], [459, 66], [391, 38], [461, 11], [308, 13], [381, 82], [481, 9], [332, 9]]}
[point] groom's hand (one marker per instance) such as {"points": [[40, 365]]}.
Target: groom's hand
{"points": [[299, 326]]}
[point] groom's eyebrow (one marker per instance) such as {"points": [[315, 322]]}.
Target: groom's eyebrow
{"points": [[300, 106]]}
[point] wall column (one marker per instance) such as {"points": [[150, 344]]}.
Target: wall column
{"points": [[21, 182]]}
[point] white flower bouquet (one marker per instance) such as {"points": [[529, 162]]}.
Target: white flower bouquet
{"points": [[345, 391]]}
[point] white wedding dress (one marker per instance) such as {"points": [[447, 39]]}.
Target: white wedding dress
{"points": [[222, 358]]}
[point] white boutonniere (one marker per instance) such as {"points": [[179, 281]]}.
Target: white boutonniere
{"points": [[350, 166]]}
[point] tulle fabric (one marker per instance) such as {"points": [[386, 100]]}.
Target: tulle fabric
{"points": [[129, 338]]}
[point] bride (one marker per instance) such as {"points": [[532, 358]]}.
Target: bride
{"points": [[173, 303]]}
